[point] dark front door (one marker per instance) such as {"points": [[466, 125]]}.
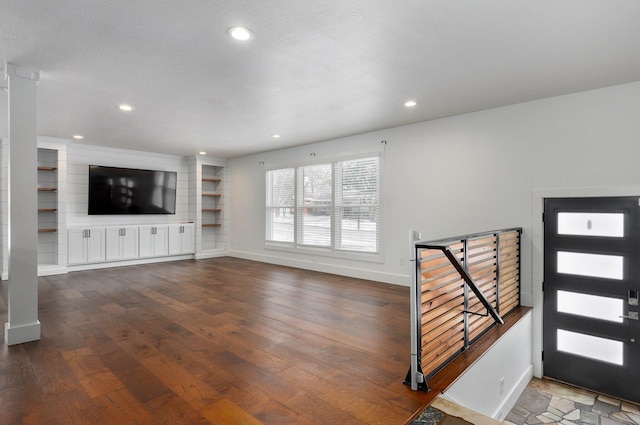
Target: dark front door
{"points": [[591, 286]]}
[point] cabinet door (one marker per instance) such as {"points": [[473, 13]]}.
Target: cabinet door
{"points": [[145, 237], [129, 243], [113, 244], [188, 239], [175, 239], [77, 253], [161, 241], [95, 245]]}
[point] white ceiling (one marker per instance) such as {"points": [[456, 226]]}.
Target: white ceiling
{"points": [[316, 70]]}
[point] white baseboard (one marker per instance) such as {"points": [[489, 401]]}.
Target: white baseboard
{"points": [[49, 270], [79, 267], [211, 254], [21, 334], [319, 266]]}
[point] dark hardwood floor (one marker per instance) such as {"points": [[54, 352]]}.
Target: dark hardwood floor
{"points": [[219, 341]]}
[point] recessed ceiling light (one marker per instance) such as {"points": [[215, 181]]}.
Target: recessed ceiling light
{"points": [[410, 103], [78, 137], [202, 153], [275, 136], [125, 107], [240, 33]]}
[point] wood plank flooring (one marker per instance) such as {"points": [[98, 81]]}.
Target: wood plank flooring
{"points": [[219, 341]]}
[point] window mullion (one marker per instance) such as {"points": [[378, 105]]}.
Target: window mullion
{"points": [[336, 216], [297, 217]]}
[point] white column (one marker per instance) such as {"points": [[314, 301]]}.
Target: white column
{"points": [[23, 325]]}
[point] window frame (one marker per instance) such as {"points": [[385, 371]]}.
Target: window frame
{"points": [[330, 251]]}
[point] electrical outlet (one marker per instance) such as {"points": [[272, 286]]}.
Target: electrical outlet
{"points": [[402, 261]]}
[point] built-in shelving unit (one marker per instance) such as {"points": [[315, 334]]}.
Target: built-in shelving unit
{"points": [[208, 187], [51, 197], [47, 206], [211, 205]]}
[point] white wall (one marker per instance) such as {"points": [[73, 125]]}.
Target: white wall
{"points": [[79, 157], [468, 173]]}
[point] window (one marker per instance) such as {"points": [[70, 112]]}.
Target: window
{"points": [[333, 206], [280, 205]]}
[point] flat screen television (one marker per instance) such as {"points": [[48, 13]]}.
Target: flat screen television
{"points": [[114, 190]]}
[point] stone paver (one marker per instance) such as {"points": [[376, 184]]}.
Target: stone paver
{"points": [[573, 416], [548, 402], [562, 404]]}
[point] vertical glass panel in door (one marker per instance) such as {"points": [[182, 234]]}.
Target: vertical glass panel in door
{"points": [[593, 347], [593, 265], [591, 306], [591, 224]]}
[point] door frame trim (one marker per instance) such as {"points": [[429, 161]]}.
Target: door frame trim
{"points": [[537, 239]]}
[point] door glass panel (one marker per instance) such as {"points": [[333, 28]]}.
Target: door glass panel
{"points": [[595, 265], [592, 306], [591, 224], [593, 347]]}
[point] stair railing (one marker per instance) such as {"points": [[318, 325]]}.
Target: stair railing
{"points": [[452, 279]]}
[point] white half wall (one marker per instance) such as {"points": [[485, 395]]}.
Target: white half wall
{"points": [[494, 383]]}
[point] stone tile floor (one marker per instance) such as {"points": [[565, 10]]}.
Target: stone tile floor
{"points": [[549, 402]]}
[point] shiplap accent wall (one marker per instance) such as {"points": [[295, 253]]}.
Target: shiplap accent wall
{"points": [[79, 157]]}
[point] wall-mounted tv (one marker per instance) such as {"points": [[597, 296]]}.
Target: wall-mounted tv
{"points": [[114, 190]]}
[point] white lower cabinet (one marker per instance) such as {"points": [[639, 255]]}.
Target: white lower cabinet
{"points": [[181, 239], [154, 241], [86, 245], [122, 243], [130, 242]]}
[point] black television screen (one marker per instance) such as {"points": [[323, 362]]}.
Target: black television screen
{"points": [[114, 190]]}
